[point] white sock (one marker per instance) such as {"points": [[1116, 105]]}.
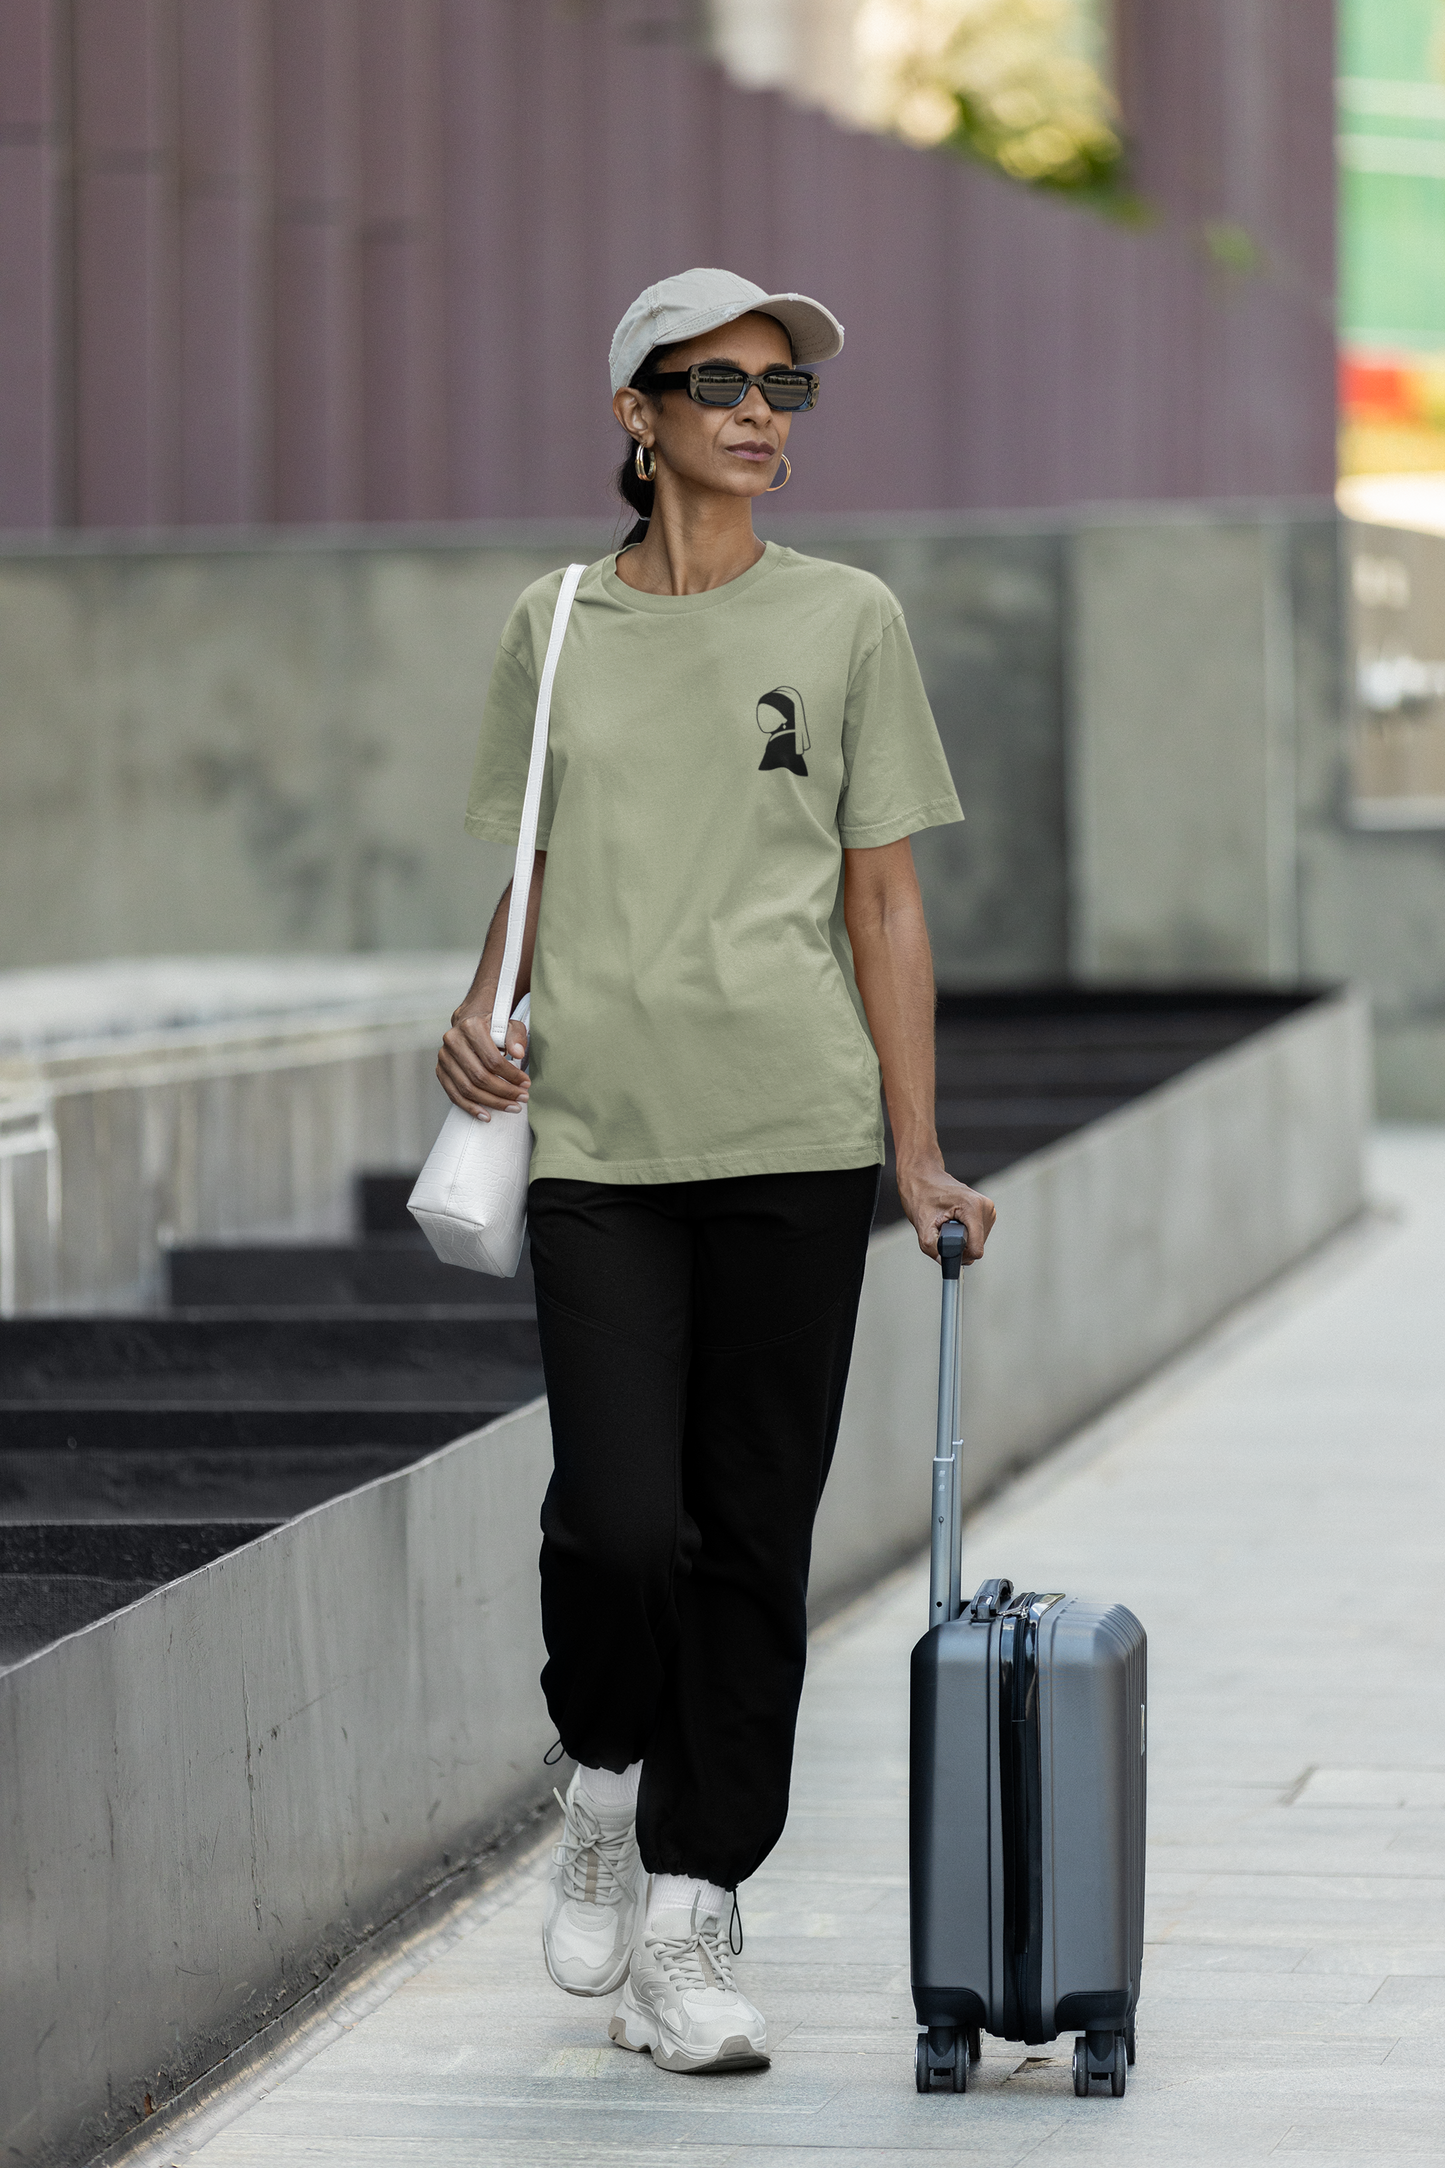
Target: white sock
{"points": [[607, 1790], [676, 1892]]}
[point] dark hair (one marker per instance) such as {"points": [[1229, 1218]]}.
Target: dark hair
{"points": [[636, 494]]}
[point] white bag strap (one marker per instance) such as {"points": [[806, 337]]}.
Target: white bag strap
{"points": [[531, 805]]}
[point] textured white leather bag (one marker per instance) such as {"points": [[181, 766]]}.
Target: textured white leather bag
{"points": [[470, 1199]]}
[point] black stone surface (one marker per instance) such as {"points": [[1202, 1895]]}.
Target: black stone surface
{"points": [[36, 1609], [187, 1426], [205, 1473], [122, 1550], [381, 1204], [275, 1356], [56, 1578], [386, 1271]]}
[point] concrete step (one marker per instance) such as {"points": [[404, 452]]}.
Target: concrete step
{"points": [[1115, 1015], [133, 1449], [381, 1195], [385, 1271], [1011, 1112], [1077, 1040], [242, 1413], [265, 1355], [187, 1426]]}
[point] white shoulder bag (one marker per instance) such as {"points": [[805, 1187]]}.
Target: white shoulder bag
{"points": [[470, 1199]]}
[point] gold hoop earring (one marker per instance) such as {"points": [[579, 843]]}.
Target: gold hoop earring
{"points": [[774, 486], [644, 462]]}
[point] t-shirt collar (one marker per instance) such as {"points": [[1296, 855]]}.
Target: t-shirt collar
{"points": [[617, 589]]}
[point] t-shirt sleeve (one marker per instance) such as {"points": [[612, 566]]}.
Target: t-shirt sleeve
{"points": [[504, 751], [896, 771]]}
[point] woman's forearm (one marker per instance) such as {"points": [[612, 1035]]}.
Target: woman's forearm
{"points": [[893, 965], [482, 992], [477, 1076]]}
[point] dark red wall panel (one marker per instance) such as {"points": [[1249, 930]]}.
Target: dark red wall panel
{"points": [[329, 260], [126, 262], [316, 179], [34, 378], [403, 366], [224, 420]]}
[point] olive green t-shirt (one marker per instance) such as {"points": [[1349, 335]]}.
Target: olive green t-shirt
{"points": [[694, 1011]]}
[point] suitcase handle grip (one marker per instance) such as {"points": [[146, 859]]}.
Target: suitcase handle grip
{"points": [[952, 1242]]}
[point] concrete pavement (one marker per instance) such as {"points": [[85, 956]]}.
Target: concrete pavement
{"points": [[1272, 1509]]}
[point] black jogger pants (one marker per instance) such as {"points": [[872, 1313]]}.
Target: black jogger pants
{"points": [[695, 1339]]}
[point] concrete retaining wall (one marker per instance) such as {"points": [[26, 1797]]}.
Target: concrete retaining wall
{"points": [[182, 1099], [207, 1798]]}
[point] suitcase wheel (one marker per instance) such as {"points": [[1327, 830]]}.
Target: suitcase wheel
{"points": [[1115, 2067], [1129, 2039], [975, 2045], [941, 2054]]}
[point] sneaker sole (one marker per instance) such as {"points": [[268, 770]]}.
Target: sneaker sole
{"points": [[609, 1987], [736, 2053]]}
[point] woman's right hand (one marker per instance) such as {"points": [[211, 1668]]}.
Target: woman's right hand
{"points": [[476, 1075]]}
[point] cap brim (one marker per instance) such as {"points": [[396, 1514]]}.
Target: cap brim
{"points": [[815, 331]]}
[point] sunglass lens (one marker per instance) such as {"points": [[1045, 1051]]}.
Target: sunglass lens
{"points": [[719, 387], [786, 390]]}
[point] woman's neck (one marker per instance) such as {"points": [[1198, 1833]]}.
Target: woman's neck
{"points": [[693, 542]]}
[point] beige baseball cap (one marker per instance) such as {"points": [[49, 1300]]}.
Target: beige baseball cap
{"points": [[691, 302]]}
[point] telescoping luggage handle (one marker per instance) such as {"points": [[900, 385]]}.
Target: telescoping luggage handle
{"points": [[946, 1560]]}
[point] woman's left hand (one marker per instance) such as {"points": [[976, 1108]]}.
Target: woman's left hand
{"points": [[930, 1197]]}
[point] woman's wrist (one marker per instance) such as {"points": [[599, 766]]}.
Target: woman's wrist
{"points": [[918, 1156], [479, 1002]]}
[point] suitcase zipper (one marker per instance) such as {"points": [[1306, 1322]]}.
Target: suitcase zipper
{"points": [[1022, 1819]]}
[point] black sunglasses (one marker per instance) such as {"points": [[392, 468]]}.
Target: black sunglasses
{"points": [[715, 384]]}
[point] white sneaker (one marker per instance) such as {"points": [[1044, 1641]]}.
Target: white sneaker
{"points": [[590, 1914], [681, 2000]]}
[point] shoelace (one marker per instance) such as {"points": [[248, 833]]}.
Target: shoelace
{"points": [[698, 1960], [594, 1866]]}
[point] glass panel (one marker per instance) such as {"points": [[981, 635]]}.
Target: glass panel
{"points": [[1397, 739]]}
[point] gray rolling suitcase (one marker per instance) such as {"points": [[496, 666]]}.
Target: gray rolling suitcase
{"points": [[1026, 1800]]}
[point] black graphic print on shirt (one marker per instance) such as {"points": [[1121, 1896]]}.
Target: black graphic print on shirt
{"points": [[781, 718]]}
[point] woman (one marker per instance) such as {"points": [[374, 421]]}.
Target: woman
{"points": [[724, 943]]}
